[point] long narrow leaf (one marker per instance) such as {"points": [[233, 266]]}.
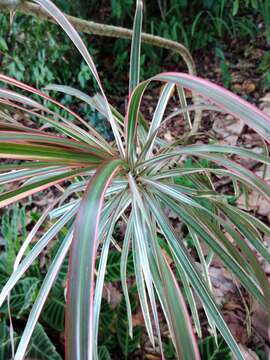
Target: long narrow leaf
{"points": [[42, 296], [61, 19], [185, 261], [33, 254], [80, 316], [134, 75], [10, 197]]}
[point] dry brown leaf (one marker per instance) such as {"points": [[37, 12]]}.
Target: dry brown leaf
{"points": [[248, 87], [248, 353], [265, 106], [112, 295], [167, 257], [137, 319], [255, 203], [228, 128], [259, 321]]}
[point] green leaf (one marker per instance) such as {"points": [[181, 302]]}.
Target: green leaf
{"points": [[113, 266], [54, 311], [5, 344], [3, 44], [107, 316], [103, 353], [134, 75], [235, 7], [22, 296], [80, 316], [212, 350], [107, 326], [41, 346], [127, 344]]}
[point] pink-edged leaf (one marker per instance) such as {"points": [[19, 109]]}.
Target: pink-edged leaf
{"points": [[186, 263], [20, 85], [69, 29], [13, 96], [97, 138], [79, 315], [68, 128], [134, 73], [56, 155], [131, 121], [176, 310], [224, 98], [42, 138], [22, 192], [22, 174]]}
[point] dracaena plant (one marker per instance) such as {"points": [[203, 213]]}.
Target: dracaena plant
{"points": [[132, 180]]}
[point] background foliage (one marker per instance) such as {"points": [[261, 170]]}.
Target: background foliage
{"points": [[195, 23]]}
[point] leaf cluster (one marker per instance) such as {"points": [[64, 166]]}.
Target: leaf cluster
{"points": [[134, 180]]}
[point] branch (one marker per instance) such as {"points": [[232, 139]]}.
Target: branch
{"points": [[90, 27]]}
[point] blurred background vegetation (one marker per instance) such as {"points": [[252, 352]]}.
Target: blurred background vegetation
{"points": [[39, 53]]}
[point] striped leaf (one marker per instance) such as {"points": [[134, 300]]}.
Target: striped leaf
{"points": [[79, 343]]}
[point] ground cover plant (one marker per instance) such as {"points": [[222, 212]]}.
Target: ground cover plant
{"points": [[134, 179]]}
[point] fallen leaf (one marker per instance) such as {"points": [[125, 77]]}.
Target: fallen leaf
{"points": [[265, 106], [137, 319], [248, 87], [248, 354], [259, 321], [228, 128], [256, 203], [112, 295]]}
